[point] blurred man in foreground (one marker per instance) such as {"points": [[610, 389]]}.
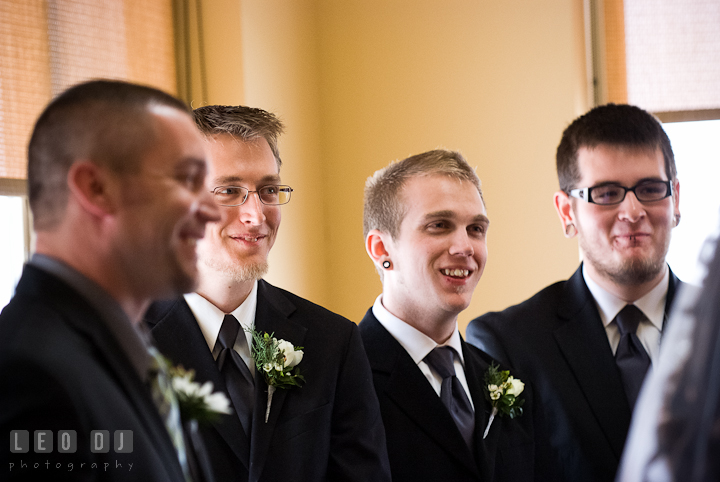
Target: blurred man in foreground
{"points": [[116, 178]]}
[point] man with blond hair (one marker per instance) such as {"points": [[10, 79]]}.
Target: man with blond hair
{"points": [[329, 428], [425, 228]]}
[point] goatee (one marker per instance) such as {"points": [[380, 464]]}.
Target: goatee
{"points": [[240, 272]]}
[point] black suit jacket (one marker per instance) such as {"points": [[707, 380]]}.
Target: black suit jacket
{"points": [[62, 369], [424, 444], [329, 429], [557, 338]]}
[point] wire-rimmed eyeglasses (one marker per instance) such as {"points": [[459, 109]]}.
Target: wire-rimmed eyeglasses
{"points": [[237, 195], [607, 194]]}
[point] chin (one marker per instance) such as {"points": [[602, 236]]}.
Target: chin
{"points": [[631, 271], [457, 306], [184, 278]]}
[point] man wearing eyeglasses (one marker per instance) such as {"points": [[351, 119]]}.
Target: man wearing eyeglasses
{"points": [[586, 343], [329, 428]]}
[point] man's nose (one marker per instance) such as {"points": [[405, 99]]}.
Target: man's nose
{"points": [[252, 210], [462, 244], [630, 209]]}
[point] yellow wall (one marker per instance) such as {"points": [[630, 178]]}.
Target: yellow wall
{"points": [[362, 82]]}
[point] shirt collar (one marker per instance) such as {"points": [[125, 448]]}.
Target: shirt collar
{"points": [[210, 317], [652, 304], [416, 343], [133, 338]]}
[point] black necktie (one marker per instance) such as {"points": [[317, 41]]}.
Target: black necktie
{"points": [[452, 393], [631, 358], [238, 379]]}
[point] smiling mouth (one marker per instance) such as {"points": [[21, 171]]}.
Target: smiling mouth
{"points": [[633, 238], [249, 239], [456, 273]]}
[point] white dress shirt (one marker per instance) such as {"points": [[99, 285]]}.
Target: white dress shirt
{"points": [[652, 305], [418, 345], [210, 319]]}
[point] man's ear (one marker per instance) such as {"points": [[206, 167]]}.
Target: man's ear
{"points": [[563, 206], [90, 186], [376, 247]]}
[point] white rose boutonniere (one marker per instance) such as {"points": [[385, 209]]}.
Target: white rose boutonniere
{"points": [[197, 402], [502, 391], [277, 361]]}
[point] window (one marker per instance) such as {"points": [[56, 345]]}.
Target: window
{"points": [[697, 152], [12, 245]]}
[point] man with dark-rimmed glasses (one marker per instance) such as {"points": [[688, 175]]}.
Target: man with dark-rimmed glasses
{"points": [[586, 343], [330, 427]]}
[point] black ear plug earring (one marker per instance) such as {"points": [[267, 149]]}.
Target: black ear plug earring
{"points": [[386, 264]]}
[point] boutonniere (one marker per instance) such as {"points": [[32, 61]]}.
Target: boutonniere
{"points": [[277, 361], [197, 402], [502, 391]]}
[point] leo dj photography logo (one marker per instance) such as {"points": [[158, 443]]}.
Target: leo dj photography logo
{"points": [[66, 442]]}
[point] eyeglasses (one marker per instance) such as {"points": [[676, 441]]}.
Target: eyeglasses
{"points": [[646, 191], [237, 195]]}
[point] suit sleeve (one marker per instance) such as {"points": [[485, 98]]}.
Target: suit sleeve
{"points": [[358, 450], [33, 400], [482, 333]]}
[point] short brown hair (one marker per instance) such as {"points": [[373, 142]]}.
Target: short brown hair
{"points": [[615, 125], [383, 207], [245, 123], [105, 121]]}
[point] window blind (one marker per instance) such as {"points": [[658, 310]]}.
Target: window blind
{"points": [[671, 55], [47, 46]]}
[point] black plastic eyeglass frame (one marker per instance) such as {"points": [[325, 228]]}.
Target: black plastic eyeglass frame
{"points": [[280, 187], [585, 193]]}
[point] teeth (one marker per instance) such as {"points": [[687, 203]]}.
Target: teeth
{"points": [[457, 273], [252, 240]]}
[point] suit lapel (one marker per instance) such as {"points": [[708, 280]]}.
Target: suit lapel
{"points": [[83, 318], [583, 342], [179, 337], [408, 388], [271, 316], [485, 449]]}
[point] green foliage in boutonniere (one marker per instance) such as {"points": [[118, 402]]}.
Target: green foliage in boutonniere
{"points": [[502, 391], [277, 361], [197, 402]]}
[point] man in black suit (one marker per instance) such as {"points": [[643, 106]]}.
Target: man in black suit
{"points": [[586, 343], [328, 429], [425, 229], [115, 174]]}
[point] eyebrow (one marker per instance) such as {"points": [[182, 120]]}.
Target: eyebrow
{"points": [[229, 180], [640, 181], [480, 218]]}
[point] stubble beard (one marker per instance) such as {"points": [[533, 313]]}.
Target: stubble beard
{"points": [[238, 272], [628, 272]]}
